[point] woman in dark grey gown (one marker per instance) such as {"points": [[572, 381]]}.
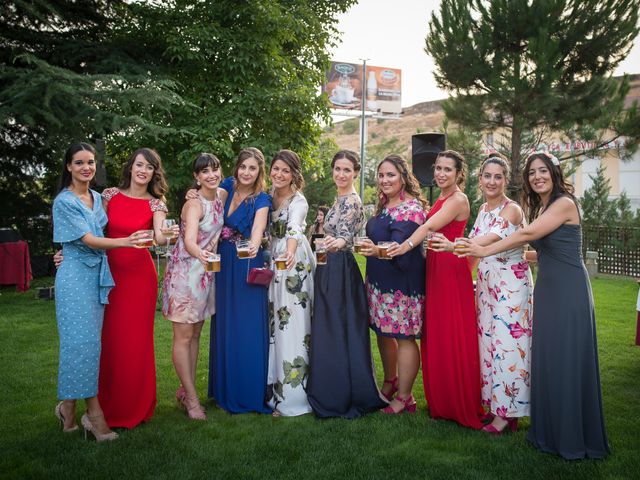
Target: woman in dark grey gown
{"points": [[341, 381], [566, 399]]}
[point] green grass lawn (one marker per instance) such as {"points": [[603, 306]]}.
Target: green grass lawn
{"points": [[261, 447]]}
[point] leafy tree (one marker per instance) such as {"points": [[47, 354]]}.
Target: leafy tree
{"points": [[65, 75], [249, 71], [536, 66]]}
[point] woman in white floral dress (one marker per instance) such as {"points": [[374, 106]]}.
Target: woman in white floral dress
{"points": [[504, 290], [291, 290]]}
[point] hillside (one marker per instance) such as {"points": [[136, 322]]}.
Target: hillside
{"points": [[419, 118]]}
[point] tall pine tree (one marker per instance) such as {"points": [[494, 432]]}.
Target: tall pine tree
{"points": [[535, 66]]}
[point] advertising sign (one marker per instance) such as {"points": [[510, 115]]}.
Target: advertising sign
{"points": [[382, 87]]}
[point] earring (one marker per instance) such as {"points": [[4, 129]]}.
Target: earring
{"points": [[402, 195], [198, 182]]}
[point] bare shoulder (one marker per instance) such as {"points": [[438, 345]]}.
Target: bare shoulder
{"points": [[512, 212]]}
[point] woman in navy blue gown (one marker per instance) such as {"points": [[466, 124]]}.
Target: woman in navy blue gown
{"points": [[239, 331]]}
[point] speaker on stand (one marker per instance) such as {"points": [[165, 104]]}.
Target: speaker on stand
{"points": [[425, 148]]}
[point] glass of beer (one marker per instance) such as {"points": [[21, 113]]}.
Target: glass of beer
{"points": [[321, 252], [213, 262], [382, 250], [146, 242], [358, 243], [281, 261], [430, 237], [458, 246], [242, 247]]}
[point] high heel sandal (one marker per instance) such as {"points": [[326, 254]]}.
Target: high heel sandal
{"points": [[180, 394], [512, 425], [487, 417], [394, 388], [193, 407], [408, 405], [58, 412], [88, 426]]}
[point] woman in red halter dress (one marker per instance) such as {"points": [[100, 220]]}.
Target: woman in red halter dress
{"points": [[449, 345]]}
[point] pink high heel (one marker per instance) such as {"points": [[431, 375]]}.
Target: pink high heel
{"points": [[194, 409], [180, 394], [394, 388], [512, 425], [408, 405]]}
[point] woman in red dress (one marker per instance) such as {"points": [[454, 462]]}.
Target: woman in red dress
{"points": [[127, 384], [449, 346]]}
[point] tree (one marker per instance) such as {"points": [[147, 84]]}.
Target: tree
{"points": [[65, 75], [250, 68], [597, 209], [532, 67]]}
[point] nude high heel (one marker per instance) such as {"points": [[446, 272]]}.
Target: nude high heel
{"points": [[193, 407], [58, 412], [88, 426]]}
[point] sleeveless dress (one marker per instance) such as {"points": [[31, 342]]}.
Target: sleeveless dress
{"points": [[82, 285], [504, 296], [188, 294], [290, 306], [449, 346], [566, 398], [127, 387], [239, 349], [341, 383], [395, 288]]}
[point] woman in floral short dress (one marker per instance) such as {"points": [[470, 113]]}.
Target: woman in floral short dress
{"points": [[188, 291]]}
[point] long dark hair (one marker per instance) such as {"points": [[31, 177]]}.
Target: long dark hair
{"points": [[531, 201], [292, 160], [65, 174], [324, 209], [157, 187], [252, 152], [409, 182]]}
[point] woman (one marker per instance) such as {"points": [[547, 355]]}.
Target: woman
{"points": [[317, 229], [127, 386], [291, 291], [566, 399], [450, 359], [82, 287], [504, 290], [188, 290], [239, 334], [341, 382], [395, 288]]}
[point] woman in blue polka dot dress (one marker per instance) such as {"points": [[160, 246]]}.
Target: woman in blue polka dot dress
{"points": [[82, 286]]}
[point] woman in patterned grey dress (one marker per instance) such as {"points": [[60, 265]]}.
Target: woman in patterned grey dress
{"points": [[341, 382]]}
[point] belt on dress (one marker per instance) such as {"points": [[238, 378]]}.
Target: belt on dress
{"points": [[105, 280]]}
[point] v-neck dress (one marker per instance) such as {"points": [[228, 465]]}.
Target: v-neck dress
{"points": [[82, 285], [239, 345]]}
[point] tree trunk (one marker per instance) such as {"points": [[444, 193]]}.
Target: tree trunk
{"points": [[515, 184]]}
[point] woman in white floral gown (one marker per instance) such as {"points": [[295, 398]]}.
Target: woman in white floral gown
{"points": [[291, 290]]}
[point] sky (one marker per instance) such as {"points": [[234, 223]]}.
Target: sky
{"points": [[392, 34]]}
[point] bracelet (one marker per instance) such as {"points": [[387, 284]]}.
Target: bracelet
{"points": [[410, 243]]}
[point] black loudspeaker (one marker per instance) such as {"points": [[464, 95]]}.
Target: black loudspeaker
{"points": [[425, 147]]}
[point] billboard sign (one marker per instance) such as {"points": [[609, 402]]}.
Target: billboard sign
{"points": [[382, 87]]}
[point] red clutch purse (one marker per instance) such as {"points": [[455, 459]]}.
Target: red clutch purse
{"points": [[260, 276]]}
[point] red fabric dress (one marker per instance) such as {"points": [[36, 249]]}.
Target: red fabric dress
{"points": [[449, 346], [127, 384]]}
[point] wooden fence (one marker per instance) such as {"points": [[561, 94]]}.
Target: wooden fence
{"points": [[618, 248]]}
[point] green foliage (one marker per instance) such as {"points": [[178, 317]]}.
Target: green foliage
{"points": [[349, 127], [66, 74], [320, 189], [536, 66], [597, 209]]}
